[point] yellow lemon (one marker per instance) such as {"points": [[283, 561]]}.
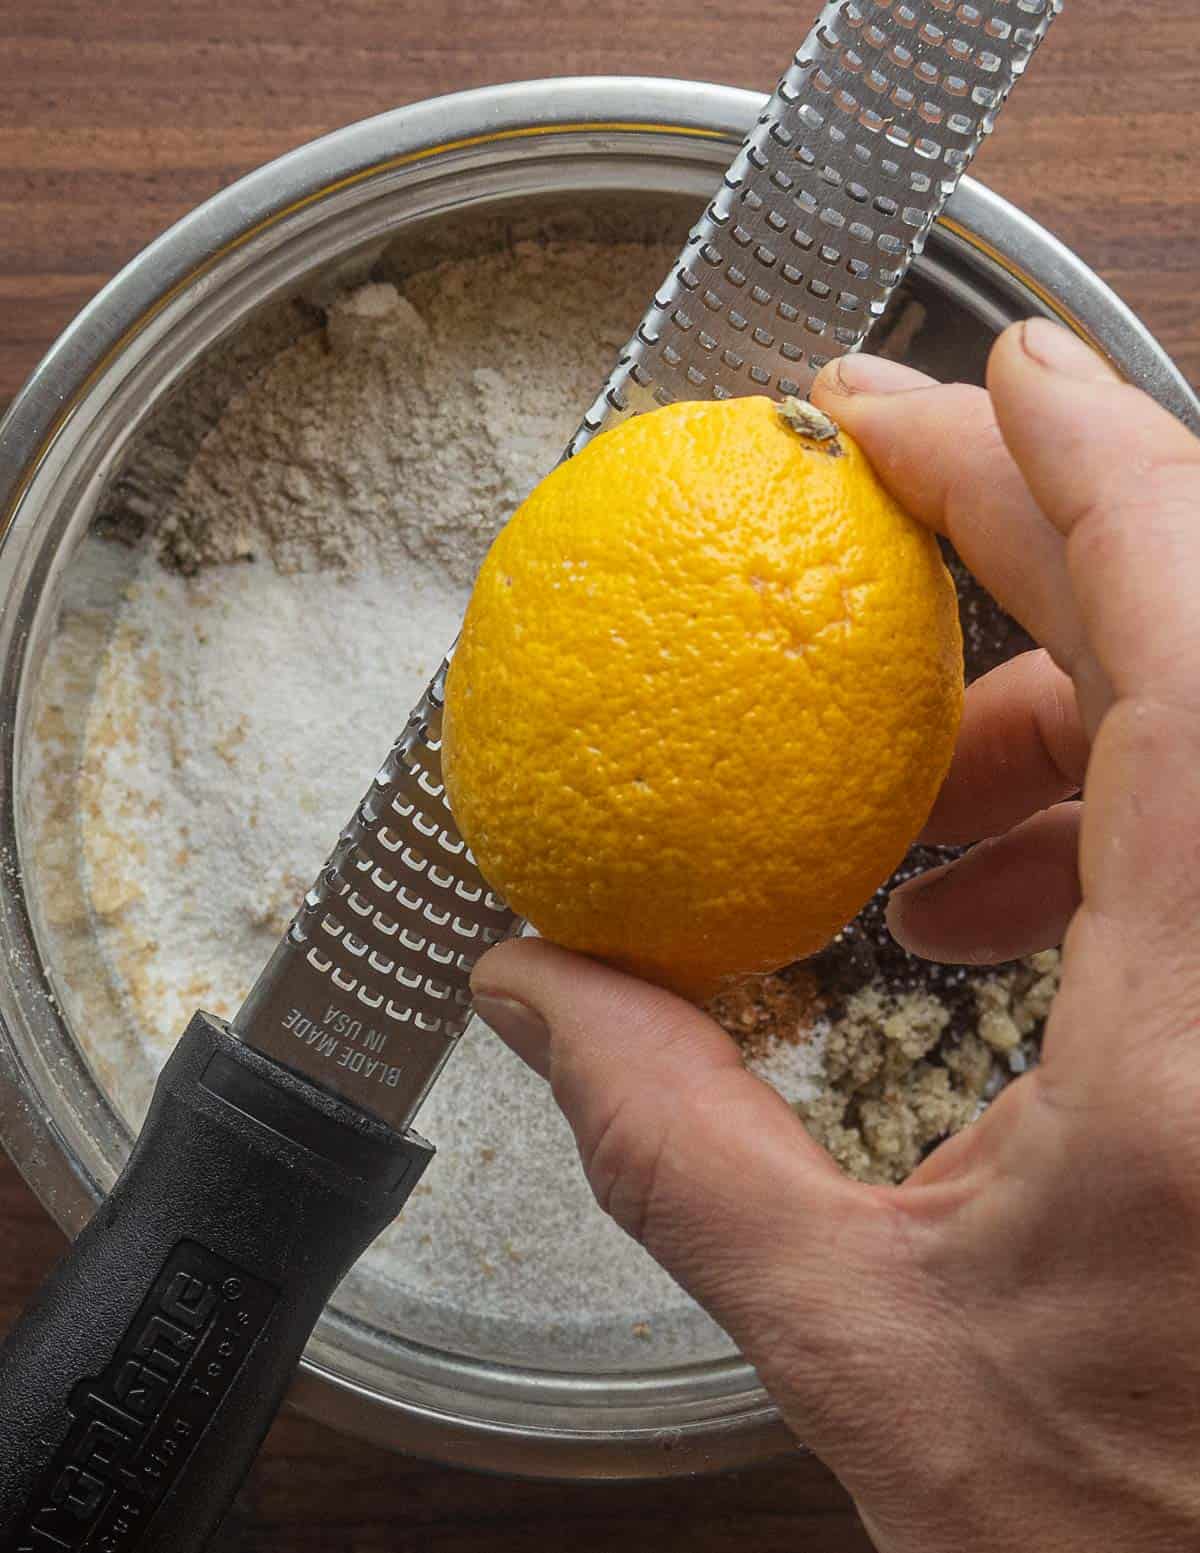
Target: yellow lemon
{"points": [[706, 691]]}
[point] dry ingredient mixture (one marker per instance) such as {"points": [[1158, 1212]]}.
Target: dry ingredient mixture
{"points": [[293, 594]]}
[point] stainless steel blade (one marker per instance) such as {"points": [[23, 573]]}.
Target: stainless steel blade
{"points": [[367, 991], [829, 200]]}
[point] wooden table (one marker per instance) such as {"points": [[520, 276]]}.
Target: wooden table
{"points": [[115, 119]]}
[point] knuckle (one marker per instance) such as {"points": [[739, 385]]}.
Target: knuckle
{"points": [[1057, 727], [622, 1164], [1142, 857], [974, 472], [1149, 498], [1099, 527]]}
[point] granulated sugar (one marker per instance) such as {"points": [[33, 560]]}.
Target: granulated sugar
{"points": [[293, 597]]}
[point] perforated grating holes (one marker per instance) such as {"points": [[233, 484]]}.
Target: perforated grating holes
{"points": [[400, 907], [881, 110]]}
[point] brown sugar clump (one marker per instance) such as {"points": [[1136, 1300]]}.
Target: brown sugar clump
{"points": [[888, 1076]]}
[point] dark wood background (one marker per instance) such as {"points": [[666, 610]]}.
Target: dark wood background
{"points": [[117, 118]]}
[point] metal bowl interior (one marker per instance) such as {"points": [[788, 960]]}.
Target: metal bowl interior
{"points": [[605, 159]]}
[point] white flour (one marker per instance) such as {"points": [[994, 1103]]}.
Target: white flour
{"points": [[240, 713]]}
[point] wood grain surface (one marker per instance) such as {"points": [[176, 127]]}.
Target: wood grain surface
{"points": [[117, 118]]}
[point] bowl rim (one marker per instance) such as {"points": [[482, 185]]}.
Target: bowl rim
{"points": [[408, 134], [977, 222]]}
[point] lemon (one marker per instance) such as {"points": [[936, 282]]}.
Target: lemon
{"points": [[706, 691]]}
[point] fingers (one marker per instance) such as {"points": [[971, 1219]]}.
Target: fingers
{"points": [[1084, 524], [1021, 748], [1007, 897], [1140, 848], [1119, 478], [691, 1154], [940, 451]]}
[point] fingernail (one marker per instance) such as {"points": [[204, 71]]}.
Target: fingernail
{"points": [[924, 886], [857, 374], [913, 892], [520, 1027], [1056, 348]]}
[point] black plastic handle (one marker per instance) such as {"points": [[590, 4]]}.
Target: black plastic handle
{"points": [[136, 1389]]}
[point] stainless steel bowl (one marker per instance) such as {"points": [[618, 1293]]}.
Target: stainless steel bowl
{"points": [[632, 154]]}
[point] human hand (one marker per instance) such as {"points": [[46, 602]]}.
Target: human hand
{"points": [[1004, 1351]]}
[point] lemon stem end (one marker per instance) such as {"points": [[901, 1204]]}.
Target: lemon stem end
{"points": [[813, 424]]}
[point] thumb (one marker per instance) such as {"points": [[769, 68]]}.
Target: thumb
{"points": [[702, 1162]]}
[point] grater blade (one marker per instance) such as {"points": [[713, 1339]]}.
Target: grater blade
{"points": [[831, 197], [368, 989], [816, 222]]}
